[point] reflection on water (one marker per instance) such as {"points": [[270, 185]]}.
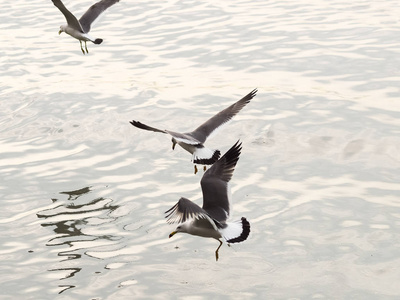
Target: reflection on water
{"points": [[70, 219]]}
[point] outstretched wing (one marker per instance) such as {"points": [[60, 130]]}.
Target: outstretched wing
{"points": [[146, 127], [180, 137], [184, 210], [93, 12], [214, 184], [206, 129], [71, 19]]}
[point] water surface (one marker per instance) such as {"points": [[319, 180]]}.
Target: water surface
{"points": [[84, 193]]}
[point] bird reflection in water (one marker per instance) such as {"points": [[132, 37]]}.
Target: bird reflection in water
{"points": [[71, 217]]}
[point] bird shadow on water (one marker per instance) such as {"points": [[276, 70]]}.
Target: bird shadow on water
{"points": [[80, 222]]}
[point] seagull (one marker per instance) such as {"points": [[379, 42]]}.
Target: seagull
{"points": [[80, 29], [193, 142], [210, 220]]}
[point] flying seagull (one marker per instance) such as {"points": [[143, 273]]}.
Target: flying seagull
{"points": [[80, 29], [210, 221], [193, 142]]}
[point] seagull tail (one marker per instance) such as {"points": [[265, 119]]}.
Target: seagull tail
{"points": [[236, 232], [205, 156], [98, 41]]}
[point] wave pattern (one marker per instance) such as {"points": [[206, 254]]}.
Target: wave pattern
{"points": [[83, 192]]}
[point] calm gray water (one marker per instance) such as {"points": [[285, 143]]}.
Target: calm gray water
{"points": [[83, 193]]}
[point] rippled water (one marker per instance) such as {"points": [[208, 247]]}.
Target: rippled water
{"points": [[83, 193]]}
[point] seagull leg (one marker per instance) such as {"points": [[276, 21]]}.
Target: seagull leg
{"points": [[195, 169], [83, 51], [87, 51], [216, 251], [205, 168]]}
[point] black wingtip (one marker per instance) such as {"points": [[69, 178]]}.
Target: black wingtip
{"points": [[232, 155], [245, 232], [227, 163], [145, 127], [251, 95], [137, 124], [237, 106], [98, 41]]}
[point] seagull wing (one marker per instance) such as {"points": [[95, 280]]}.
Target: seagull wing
{"points": [[93, 12], [214, 184], [184, 138], [71, 19], [146, 127], [206, 129], [180, 137], [185, 210]]}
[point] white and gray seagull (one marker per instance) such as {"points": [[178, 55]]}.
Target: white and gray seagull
{"points": [[79, 29], [193, 142], [211, 220]]}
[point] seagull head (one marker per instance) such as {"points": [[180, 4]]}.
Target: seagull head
{"points": [[174, 142], [180, 228], [62, 29]]}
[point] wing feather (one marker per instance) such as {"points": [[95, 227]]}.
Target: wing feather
{"points": [[207, 128], [214, 184], [146, 127], [185, 210], [71, 19], [180, 137], [93, 12]]}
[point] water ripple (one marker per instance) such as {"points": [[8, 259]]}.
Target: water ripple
{"points": [[84, 192]]}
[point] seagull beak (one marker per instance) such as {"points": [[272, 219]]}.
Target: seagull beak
{"points": [[172, 234], [60, 32]]}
